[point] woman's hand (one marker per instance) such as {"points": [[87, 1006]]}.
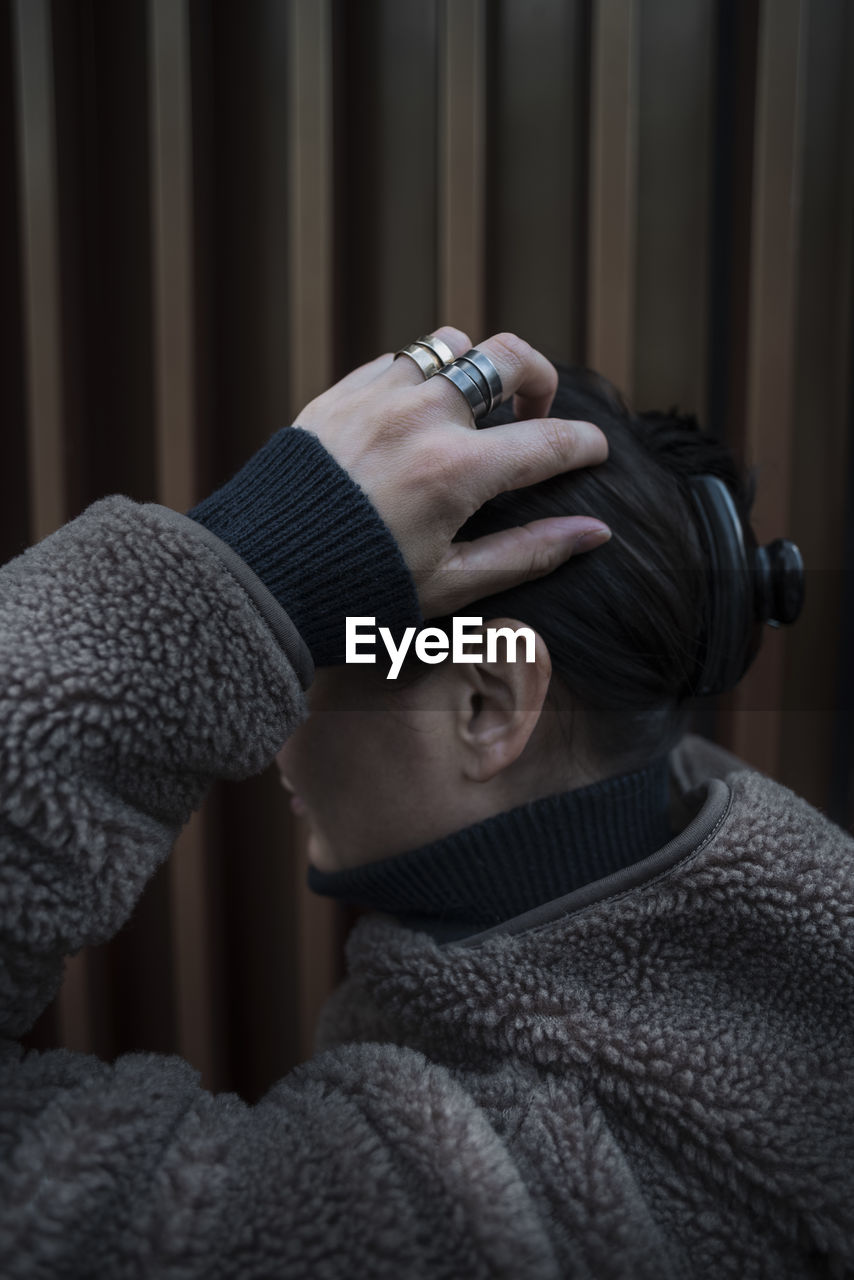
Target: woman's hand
{"points": [[410, 445]]}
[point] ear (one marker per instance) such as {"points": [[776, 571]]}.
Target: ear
{"points": [[499, 702]]}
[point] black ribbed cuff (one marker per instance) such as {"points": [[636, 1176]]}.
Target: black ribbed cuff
{"points": [[295, 516]]}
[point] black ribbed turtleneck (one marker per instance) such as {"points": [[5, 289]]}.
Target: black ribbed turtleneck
{"points": [[514, 861]]}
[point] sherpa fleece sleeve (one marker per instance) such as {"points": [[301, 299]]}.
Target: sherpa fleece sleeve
{"points": [[144, 653], [135, 668]]}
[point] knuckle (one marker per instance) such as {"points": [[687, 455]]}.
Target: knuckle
{"points": [[511, 348], [457, 339], [559, 439], [447, 403], [455, 560], [542, 562], [538, 555]]}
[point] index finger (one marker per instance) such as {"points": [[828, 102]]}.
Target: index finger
{"points": [[517, 454]]}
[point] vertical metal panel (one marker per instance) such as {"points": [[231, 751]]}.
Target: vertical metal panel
{"points": [[755, 709], [675, 162], [318, 925], [171, 218], [310, 196], [40, 224], [39, 219], [736, 36], [613, 190], [841, 788], [823, 389], [14, 498], [310, 359], [729, 294], [74, 150], [240, 74], [462, 164], [266, 299], [537, 173], [386, 147], [101, 77], [405, 124], [841, 803], [243, 100]]}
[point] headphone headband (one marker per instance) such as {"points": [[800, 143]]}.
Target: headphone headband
{"points": [[745, 587]]}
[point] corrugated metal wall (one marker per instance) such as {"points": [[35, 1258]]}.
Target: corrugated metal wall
{"points": [[209, 210]]}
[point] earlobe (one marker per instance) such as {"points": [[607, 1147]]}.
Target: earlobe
{"points": [[503, 701]]}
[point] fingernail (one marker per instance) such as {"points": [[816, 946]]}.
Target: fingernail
{"points": [[591, 538]]}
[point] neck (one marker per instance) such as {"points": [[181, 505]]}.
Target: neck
{"points": [[514, 861]]}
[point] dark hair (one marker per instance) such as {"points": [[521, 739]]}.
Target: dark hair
{"points": [[622, 623]]}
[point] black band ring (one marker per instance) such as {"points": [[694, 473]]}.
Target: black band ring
{"points": [[465, 383], [490, 378]]}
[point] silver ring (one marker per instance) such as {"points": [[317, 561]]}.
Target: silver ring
{"points": [[428, 362], [467, 385], [490, 378], [437, 346]]}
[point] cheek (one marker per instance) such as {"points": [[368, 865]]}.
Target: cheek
{"points": [[363, 779], [313, 756], [337, 758]]}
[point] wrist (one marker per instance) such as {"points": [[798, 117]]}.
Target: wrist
{"points": [[313, 537]]}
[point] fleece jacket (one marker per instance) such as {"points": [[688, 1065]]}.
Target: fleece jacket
{"points": [[652, 1076]]}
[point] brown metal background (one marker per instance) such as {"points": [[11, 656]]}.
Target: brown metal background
{"points": [[210, 209]]}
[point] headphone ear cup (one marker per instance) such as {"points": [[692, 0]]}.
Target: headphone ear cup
{"points": [[779, 582], [730, 639], [744, 589]]}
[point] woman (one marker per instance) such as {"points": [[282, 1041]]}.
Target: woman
{"points": [[624, 1054], [607, 697]]}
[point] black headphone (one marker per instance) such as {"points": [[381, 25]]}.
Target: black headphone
{"points": [[746, 587]]}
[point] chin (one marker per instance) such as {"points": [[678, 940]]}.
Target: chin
{"points": [[319, 856]]}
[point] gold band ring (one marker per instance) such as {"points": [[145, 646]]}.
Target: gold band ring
{"points": [[437, 346], [428, 362]]}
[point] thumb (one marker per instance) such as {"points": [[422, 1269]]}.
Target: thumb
{"points": [[498, 561]]}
